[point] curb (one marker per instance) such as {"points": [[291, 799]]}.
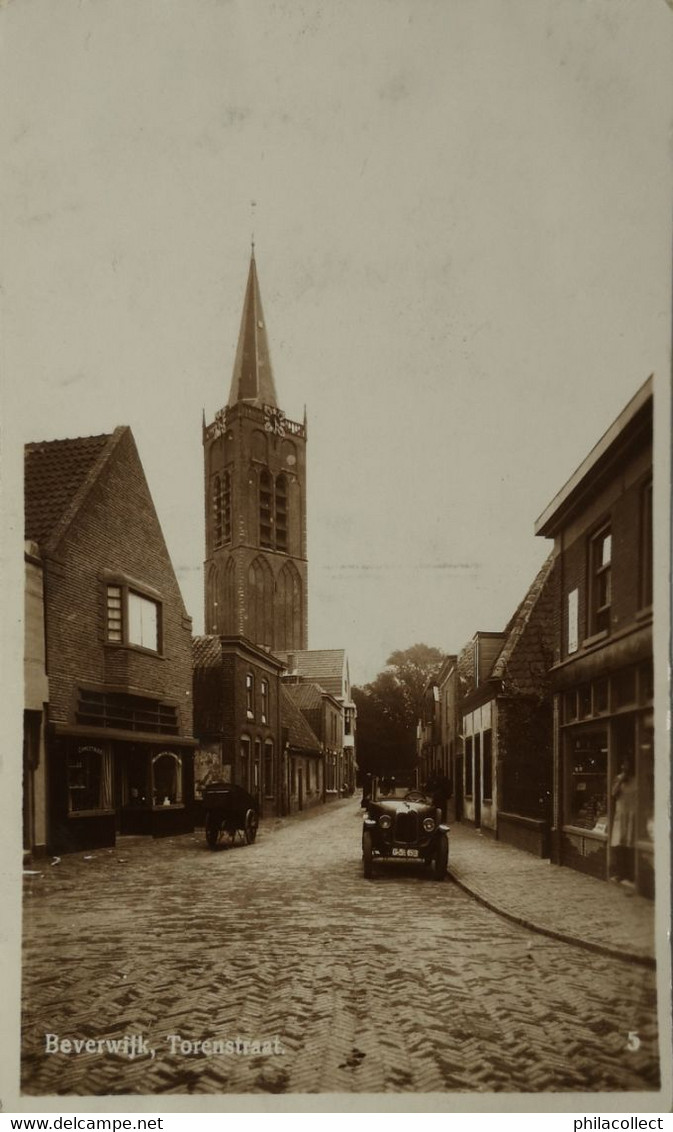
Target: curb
{"points": [[564, 937]]}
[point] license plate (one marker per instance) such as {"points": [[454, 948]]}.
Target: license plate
{"points": [[405, 852]]}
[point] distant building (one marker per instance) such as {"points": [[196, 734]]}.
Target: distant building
{"points": [[506, 719], [304, 758], [324, 715], [237, 718], [108, 745], [329, 669], [602, 677]]}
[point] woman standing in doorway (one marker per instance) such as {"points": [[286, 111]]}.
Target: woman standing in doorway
{"points": [[623, 835]]}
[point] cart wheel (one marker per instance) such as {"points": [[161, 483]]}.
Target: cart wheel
{"points": [[213, 831], [251, 823], [367, 855], [442, 857]]}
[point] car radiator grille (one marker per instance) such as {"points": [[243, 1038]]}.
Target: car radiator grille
{"points": [[406, 827]]}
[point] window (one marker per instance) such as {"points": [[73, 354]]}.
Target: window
{"points": [[250, 695], [132, 618], [126, 712], [89, 776], [600, 580], [281, 514], [244, 779], [265, 700], [222, 509], [573, 621], [487, 754], [468, 767], [347, 721], [265, 504], [646, 546], [257, 767], [166, 779], [587, 781]]}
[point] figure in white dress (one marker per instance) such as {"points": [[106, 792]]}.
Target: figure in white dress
{"points": [[623, 834]]}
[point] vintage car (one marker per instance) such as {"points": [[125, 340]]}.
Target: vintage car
{"points": [[228, 810], [402, 823]]}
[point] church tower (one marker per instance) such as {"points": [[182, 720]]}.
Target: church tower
{"points": [[255, 492]]}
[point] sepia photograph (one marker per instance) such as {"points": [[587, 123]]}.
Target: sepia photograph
{"points": [[336, 398]]}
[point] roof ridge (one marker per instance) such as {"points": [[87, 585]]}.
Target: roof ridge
{"points": [[77, 500]]}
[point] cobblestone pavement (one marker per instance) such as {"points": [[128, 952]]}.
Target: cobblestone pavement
{"points": [[400, 984]]}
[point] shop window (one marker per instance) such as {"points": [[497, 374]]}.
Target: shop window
{"points": [[601, 580], [601, 695], [569, 707], [166, 779], [264, 690], [586, 781], [468, 767], [250, 695], [646, 543], [487, 756], [89, 777], [132, 618], [624, 688], [584, 700], [268, 769]]}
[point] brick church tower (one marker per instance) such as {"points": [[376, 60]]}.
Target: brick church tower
{"points": [[255, 493]]}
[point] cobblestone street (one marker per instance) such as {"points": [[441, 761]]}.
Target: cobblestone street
{"points": [[396, 985]]}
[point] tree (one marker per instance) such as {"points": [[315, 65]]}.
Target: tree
{"points": [[389, 708]]}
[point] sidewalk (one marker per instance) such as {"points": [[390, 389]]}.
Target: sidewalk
{"points": [[551, 899]]}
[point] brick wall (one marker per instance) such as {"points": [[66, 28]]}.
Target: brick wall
{"points": [[117, 531]]}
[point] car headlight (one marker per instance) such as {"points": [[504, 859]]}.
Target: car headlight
{"points": [[385, 821], [428, 824]]}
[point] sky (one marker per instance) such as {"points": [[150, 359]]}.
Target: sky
{"points": [[462, 222]]}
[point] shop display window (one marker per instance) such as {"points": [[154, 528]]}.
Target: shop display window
{"points": [[624, 688], [89, 776], [166, 779], [584, 697], [601, 696], [646, 683], [586, 781], [569, 707]]}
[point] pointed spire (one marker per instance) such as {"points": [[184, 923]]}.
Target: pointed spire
{"points": [[252, 379]]}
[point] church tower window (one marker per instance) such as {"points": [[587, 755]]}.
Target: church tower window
{"points": [[265, 501], [281, 514], [222, 509]]}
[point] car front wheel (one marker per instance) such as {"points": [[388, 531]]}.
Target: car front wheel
{"points": [[367, 855], [442, 857]]}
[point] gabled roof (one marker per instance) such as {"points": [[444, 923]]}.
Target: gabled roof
{"points": [[252, 379], [58, 475], [306, 696], [320, 666], [525, 657], [300, 735], [206, 652]]}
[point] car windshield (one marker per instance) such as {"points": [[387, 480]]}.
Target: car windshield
{"points": [[393, 789]]}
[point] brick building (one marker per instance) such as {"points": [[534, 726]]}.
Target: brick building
{"points": [[255, 501], [329, 669], [506, 723], [117, 642], [237, 718], [602, 676], [304, 758], [325, 717]]}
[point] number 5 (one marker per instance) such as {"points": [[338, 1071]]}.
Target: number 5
{"points": [[634, 1041]]}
